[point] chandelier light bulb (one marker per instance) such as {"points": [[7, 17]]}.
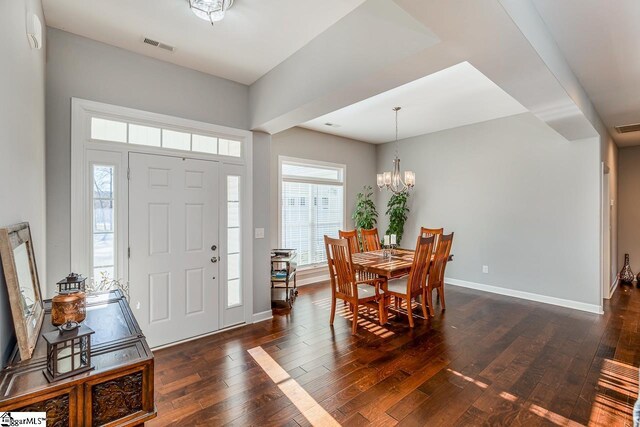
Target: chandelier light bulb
{"points": [[387, 178]]}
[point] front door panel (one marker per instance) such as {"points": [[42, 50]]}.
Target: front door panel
{"points": [[173, 224]]}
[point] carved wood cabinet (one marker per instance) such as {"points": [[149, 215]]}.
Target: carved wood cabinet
{"points": [[118, 392]]}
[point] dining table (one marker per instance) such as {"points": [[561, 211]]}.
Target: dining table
{"points": [[396, 263], [385, 263]]}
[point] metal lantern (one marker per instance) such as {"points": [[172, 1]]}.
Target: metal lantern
{"points": [[73, 282], [68, 352]]}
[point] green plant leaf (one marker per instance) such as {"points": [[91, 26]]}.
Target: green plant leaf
{"points": [[365, 214], [397, 211]]}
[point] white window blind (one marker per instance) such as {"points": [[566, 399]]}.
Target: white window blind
{"points": [[312, 206]]}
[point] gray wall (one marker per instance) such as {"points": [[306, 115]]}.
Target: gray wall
{"points": [[520, 198], [22, 141], [359, 157], [629, 206], [83, 68], [262, 196]]}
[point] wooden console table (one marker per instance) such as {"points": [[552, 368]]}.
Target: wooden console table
{"points": [[118, 392]]}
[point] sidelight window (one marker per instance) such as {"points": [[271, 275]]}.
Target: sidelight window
{"points": [[234, 286], [104, 222]]}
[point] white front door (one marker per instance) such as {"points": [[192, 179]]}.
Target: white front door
{"points": [[173, 240]]}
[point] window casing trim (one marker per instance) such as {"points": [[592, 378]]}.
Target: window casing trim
{"points": [[285, 178]]}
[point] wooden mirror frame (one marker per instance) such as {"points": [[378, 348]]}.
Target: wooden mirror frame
{"points": [[27, 329]]}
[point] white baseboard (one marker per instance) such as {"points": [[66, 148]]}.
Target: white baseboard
{"points": [[591, 308], [613, 288], [262, 316], [313, 279]]}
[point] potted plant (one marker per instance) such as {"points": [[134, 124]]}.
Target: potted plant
{"points": [[365, 214], [397, 211]]}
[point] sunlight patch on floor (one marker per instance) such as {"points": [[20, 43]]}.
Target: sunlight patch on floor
{"points": [[306, 404], [468, 379], [364, 321], [617, 392], [541, 412], [537, 410], [556, 419]]}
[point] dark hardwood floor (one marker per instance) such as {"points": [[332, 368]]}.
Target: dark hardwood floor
{"points": [[488, 360]]}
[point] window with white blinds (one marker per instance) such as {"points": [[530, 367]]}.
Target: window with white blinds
{"points": [[311, 206]]}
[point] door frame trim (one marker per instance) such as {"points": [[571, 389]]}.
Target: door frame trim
{"points": [[81, 112]]}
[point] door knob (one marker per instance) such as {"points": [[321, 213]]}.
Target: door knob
{"points": [[214, 259], [214, 247]]}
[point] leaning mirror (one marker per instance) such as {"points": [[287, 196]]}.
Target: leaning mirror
{"points": [[23, 286]]}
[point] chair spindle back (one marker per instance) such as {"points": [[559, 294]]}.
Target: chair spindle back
{"points": [[439, 263], [370, 240], [352, 237], [341, 268], [436, 232], [420, 266]]}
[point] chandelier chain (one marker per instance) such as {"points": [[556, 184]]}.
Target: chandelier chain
{"points": [[393, 180]]}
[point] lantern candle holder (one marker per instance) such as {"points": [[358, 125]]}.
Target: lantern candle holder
{"points": [[68, 352], [73, 282]]}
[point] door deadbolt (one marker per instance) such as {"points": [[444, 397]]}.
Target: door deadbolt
{"points": [[214, 247]]}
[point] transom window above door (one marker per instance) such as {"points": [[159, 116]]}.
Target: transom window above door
{"points": [[103, 129], [311, 206]]}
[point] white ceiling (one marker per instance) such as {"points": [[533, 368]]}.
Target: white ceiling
{"points": [[456, 96], [254, 37], [601, 42]]}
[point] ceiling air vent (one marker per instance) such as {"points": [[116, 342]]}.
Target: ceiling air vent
{"points": [[628, 128], [158, 44]]}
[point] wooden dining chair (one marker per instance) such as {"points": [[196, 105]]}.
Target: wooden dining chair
{"points": [[435, 279], [412, 286], [370, 240], [436, 232], [352, 237], [344, 285]]}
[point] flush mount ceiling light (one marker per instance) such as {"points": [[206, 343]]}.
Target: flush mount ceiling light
{"points": [[210, 10], [393, 181]]}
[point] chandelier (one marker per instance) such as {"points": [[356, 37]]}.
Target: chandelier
{"points": [[210, 10], [393, 181]]}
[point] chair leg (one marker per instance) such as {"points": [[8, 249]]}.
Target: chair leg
{"points": [[430, 300], [409, 312], [354, 325], [333, 311], [444, 306], [424, 305]]}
